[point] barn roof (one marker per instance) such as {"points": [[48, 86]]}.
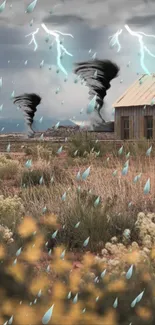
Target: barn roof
{"points": [[141, 92]]}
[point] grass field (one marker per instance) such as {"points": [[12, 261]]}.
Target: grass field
{"points": [[68, 214]]}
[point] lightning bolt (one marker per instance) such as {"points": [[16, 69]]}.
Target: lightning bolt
{"points": [[115, 39], [60, 47], [33, 40], [143, 47]]}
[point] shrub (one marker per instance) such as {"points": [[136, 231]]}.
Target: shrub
{"points": [[11, 211], [8, 168]]}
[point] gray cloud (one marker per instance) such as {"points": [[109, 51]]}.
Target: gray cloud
{"points": [[145, 20], [91, 22]]}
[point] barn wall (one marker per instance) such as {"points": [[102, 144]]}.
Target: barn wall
{"points": [[136, 120]]}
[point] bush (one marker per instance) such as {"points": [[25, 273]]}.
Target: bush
{"points": [[8, 168], [11, 211], [32, 177], [84, 296]]}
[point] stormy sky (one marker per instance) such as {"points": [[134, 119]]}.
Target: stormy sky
{"points": [[91, 22]]}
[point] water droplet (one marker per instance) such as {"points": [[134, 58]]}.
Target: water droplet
{"points": [[86, 242], [97, 201], [91, 105], [10, 320], [63, 254], [75, 299], [115, 304], [103, 273], [59, 150], [129, 272], [56, 126], [77, 224], [55, 233], [31, 6], [40, 293], [147, 187], [2, 7], [148, 151], [63, 197], [120, 150], [19, 251], [8, 148], [47, 316], [86, 173]]}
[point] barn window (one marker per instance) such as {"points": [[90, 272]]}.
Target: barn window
{"points": [[125, 128], [149, 127]]}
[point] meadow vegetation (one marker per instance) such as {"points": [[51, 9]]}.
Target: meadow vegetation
{"points": [[71, 229]]}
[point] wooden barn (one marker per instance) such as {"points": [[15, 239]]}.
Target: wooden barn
{"points": [[135, 110]]}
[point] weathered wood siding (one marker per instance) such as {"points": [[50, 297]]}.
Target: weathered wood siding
{"points": [[136, 120]]}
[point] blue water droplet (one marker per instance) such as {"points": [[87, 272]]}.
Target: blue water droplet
{"points": [[63, 197], [125, 170], [59, 150], [128, 155], [15, 261], [56, 125], [69, 295], [86, 242], [134, 303], [48, 268], [40, 293], [31, 6], [8, 148], [115, 304], [129, 272], [147, 187], [120, 151], [41, 180], [55, 233], [139, 297], [86, 173], [47, 316], [103, 273], [77, 224], [2, 7], [75, 299], [97, 201], [19, 251], [148, 151], [78, 176], [63, 254], [10, 320], [91, 105]]}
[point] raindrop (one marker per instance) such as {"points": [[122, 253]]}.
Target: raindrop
{"points": [[31, 6], [2, 7], [97, 201], [120, 150], [129, 272], [63, 197], [103, 273], [19, 251], [75, 299], [8, 148], [86, 173], [86, 242], [47, 316], [147, 187], [91, 105], [115, 304], [148, 151], [77, 224], [55, 233]]}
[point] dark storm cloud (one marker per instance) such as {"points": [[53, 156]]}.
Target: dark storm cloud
{"points": [[64, 19], [141, 20]]}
